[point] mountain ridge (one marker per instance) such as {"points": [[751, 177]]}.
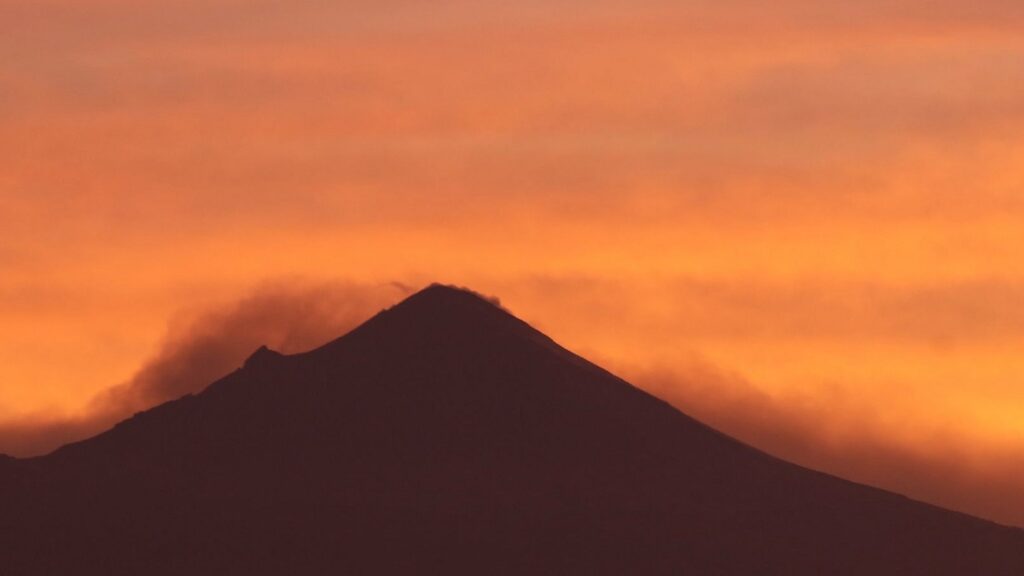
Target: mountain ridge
{"points": [[446, 435]]}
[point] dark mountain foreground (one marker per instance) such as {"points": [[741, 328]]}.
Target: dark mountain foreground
{"points": [[445, 436]]}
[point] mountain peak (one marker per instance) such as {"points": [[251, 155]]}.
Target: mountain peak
{"points": [[261, 357], [440, 318], [447, 306], [448, 295]]}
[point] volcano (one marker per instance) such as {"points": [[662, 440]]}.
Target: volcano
{"points": [[445, 436]]}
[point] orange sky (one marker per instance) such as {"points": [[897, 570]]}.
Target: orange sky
{"points": [[807, 212]]}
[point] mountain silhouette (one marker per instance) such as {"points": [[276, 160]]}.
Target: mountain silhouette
{"points": [[445, 436]]}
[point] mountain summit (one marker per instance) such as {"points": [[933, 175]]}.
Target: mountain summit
{"points": [[446, 436]]}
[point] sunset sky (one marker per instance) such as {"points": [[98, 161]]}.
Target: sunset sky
{"points": [[801, 221]]}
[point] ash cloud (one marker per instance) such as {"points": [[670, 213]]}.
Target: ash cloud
{"points": [[199, 349], [843, 434]]}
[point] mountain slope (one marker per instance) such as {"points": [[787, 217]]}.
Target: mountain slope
{"points": [[446, 436]]}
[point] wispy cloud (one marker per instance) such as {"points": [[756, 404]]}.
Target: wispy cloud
{"points": [[288, 317]]}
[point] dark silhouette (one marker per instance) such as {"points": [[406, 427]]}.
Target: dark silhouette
{"points": [[445, 436]]}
